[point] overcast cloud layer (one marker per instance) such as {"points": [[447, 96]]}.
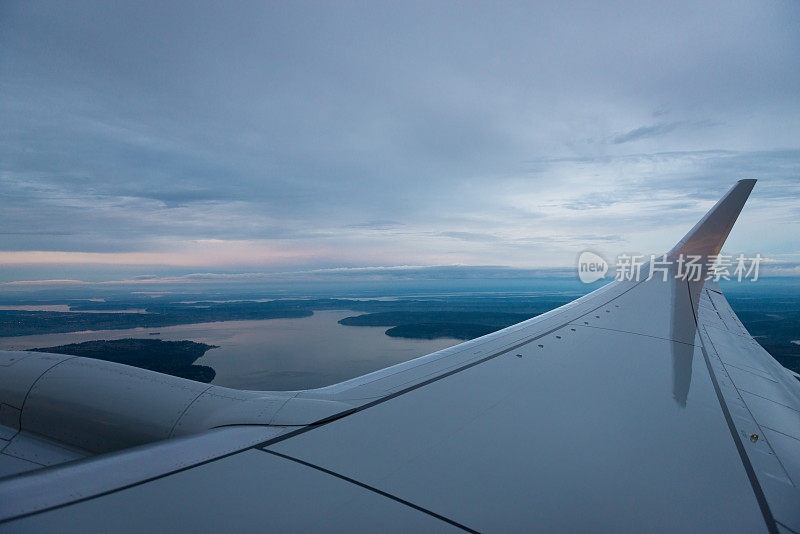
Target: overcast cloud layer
{"points": [[174, 138]]}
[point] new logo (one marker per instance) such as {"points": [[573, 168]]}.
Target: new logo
{"points": [[591, 267]]}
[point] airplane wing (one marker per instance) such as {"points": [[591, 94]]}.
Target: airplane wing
{"points": [[643, 406]]}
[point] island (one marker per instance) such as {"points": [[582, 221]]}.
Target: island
{"points": [[171, 357], [438, 324], [440, 330]]}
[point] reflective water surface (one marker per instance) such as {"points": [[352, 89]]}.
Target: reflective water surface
{"points": [[274, 354]]}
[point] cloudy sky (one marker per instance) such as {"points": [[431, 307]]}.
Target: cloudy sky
{"points": [[170, 138]]}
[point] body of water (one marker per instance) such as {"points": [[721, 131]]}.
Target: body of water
{"points": [[273, 354]]}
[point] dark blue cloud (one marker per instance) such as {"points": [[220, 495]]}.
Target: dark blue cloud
{"points": [[644, 132]]}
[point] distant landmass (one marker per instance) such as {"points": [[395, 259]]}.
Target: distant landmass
{"points": [[497, 311], [774, 323], [771, 313], [439, 330], [25, 323], [438, 324], [170, 357]]}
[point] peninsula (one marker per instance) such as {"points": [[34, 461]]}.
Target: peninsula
{"points": [[171, 357]]}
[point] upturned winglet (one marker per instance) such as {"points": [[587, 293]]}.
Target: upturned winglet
{"points": [[708, 235]]}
